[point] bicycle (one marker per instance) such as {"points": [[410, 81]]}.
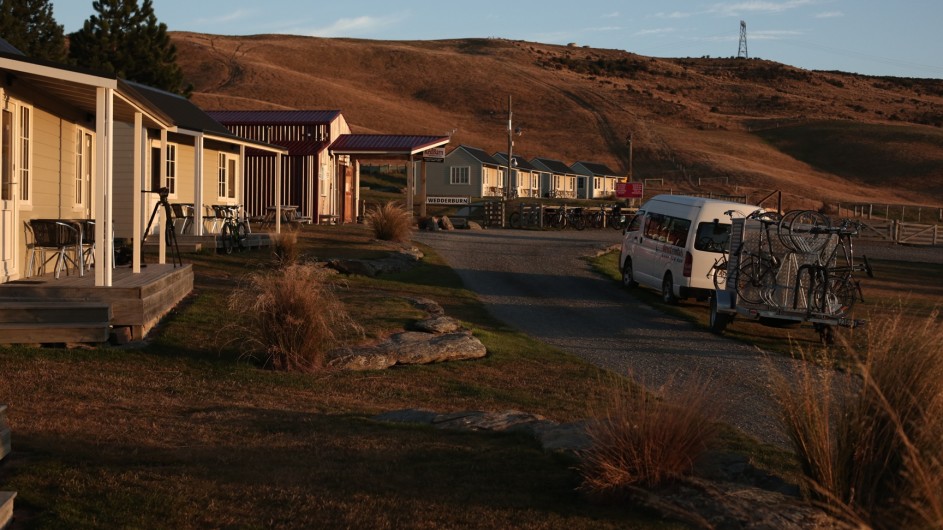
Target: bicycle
{"points": [[832, 289], [235, 231], [574, 217], [757, 271], [525, 217], [615, 218]]}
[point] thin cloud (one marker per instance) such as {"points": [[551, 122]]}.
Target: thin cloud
{"points": [[830, 14], [674, 14], [603, 29], [773, 34], [225, 18], [614, 14], [758, 6], [346, 27], [654, 31]]}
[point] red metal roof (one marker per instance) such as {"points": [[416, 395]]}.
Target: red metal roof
{"points": [[274, 117], [297, 148], [392, 144]]}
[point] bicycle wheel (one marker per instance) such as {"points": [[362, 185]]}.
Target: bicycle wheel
{"points": [[579, 222], [514, 221], [718, 274], [242, 234], [227, 236], [753, 279], [805, 231], [839, 297], [616, 222]]}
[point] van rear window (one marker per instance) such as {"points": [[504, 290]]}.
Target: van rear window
{"points": [[712, 237]]}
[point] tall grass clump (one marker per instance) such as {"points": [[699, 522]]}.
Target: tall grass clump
{"points": [[871, 441], [290, 318], [285, 250], [642, 439], [390, 222]]}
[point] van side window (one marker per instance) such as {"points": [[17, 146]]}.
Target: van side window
{"points": [[667, 229], [653, 228], [712, 237], [636, 223]]}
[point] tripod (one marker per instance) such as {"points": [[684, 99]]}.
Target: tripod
{"points": [[171, 235]]}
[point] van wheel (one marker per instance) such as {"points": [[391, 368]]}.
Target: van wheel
{"points": [[667, 290], [628, 278]]}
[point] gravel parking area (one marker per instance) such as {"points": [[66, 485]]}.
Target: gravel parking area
{"points": [[539, 283]]}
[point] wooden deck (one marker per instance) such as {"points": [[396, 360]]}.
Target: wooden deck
{"points": [[137, 301]]}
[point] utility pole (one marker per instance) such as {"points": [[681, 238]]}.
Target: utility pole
{"points": [[628, 142], [507, 185]]}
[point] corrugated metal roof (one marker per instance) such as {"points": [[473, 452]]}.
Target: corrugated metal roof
{"points": [[553, 165], [298, 148], [599, 170], [181, 110], [274, 117], [481, 155], [519, 161], [392, 144]]}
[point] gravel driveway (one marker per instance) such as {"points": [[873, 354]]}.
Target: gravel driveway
{"points": [[538, 282]]}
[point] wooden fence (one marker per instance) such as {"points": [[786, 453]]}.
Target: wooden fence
{"points": [[901, 232]]}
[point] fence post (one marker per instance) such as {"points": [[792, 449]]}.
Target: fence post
{"points": [[870, 211]]}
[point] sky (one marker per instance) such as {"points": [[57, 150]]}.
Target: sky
{"points": [[902, 38]]}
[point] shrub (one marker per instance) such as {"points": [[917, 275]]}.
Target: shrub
{"points": [[285, 249], [643, 439], [870, 440], [390, 222], [290, 318]]}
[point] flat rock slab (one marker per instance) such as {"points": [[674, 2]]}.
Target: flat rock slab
{"points": [[438, 325], [400, 261], [553, 436], [413, 347]]}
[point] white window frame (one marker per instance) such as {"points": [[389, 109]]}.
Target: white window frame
{"points": [[223, 177], [460, 175], [23, 149], [170, 179], [84, 166]]}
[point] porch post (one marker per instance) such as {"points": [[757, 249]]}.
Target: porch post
{"points": [[240, 182], [104, 129], [198, 184], [278, 193], [161, 240], [137, 198]]}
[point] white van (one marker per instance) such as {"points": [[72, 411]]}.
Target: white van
{"points": [[673, 243]]}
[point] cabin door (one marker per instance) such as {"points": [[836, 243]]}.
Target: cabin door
{"points": [[8, 193]]}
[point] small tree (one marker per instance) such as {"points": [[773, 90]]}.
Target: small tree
{"points": [[30, 26], [127, 39]]}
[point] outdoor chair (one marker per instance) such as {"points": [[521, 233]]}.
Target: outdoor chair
{"points": [[57, 240], [183, 215]]}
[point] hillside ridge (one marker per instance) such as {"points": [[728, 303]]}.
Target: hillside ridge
{"points": [[753, 124]]}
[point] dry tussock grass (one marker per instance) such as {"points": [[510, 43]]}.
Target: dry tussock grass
{"points": [[285, 249], [870, 441], [643, 439], [390, 222], [289, 319]]}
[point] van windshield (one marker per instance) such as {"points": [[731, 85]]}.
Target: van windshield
{"points": [[712, 237]]}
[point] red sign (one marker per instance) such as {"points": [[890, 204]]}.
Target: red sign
{"points": [[629, 190]]}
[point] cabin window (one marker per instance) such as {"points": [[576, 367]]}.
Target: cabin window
{"points": [[232, 177], [25, 151], [460, 175], [223, 184], [83, 167], [171, 181]]}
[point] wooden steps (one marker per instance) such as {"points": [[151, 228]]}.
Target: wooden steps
{"points": [[6, 497], [45, 322], [6, 508]]}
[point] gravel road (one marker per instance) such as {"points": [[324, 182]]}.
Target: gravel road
{"points": [[539, 283]]}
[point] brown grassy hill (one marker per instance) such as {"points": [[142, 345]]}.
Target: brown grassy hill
{"points": [[762, 125]]}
